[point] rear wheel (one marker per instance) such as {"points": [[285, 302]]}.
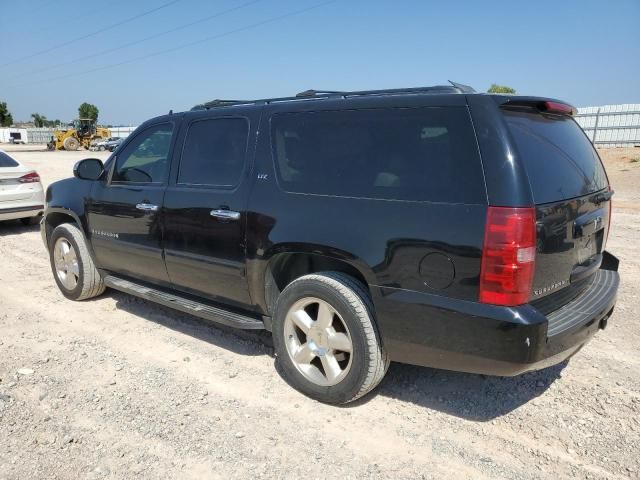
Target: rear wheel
{"points": [[326, 340], [71, 143], [73, 269]]}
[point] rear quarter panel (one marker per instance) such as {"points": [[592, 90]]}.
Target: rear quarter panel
{"points": [[386, 240]]}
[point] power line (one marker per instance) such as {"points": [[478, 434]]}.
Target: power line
{"points": [[104, 29], [151, 37], [74, 18], [186, 45]]}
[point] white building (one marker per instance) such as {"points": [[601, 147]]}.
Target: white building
{"points": [[18, 134]]}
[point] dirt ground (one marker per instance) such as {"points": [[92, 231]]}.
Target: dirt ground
{"points": [[117, 387]]}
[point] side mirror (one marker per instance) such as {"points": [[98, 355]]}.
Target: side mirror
{"points": [[88, 169]]}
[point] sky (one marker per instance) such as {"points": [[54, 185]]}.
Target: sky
{"points": [[58, 54]]}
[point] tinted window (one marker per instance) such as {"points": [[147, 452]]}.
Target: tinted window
{"points": [[7, 161], [560, 160], [422, 154], [214, 152], [145, 158]]}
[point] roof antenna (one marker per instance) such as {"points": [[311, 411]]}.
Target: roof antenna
{"points": [[171, 112], [462, 88]]}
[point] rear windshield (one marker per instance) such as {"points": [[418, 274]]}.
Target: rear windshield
{"points": [[7, 161], [560, 161], [420, 154]]}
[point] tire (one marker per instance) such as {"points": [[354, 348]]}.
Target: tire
{"points": [[71, 143], [323, 372], [31, 220], [79, 266]]}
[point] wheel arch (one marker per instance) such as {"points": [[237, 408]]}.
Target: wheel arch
{"points": [[57, 216], [283, 267]]}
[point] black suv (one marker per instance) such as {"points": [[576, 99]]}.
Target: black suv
{"points": [[433, 226]]}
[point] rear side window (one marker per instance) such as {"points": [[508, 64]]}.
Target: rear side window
{"points": [[7, 161], [560, 161], [214, 152], [418, 154]]}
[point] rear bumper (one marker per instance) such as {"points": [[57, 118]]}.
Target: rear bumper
{"points": [[451, 334], [21, 212]]}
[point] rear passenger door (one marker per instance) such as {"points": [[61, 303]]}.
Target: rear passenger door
{"points": [[205, 207]]}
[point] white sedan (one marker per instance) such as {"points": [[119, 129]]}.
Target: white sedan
{"points": [[21, 192]]}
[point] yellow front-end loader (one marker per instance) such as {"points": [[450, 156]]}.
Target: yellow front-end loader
{"points": [[83, 132]]}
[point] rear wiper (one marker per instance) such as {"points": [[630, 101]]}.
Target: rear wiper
{"points": [[603, 197]]}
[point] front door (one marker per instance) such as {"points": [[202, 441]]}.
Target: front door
{"points": [[205, 202], [125, 209]]}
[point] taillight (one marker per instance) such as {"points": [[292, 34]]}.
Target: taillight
{"points": [[31, 177], [508, 256]]}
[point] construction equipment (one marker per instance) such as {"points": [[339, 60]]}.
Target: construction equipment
{"points": [[81, 133]]}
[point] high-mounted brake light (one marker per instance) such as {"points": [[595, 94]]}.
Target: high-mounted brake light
{"points": [[31, 177], [557, 107], [508, 256]]}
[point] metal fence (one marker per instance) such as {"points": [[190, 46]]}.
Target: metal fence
{"points": [[611, 125], [121, 132], [39, 135]]}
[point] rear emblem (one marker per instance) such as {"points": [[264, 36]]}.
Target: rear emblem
{"points": [[550, 288]]}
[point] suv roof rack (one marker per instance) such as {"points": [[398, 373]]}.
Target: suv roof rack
{"points": [[318, 94]]}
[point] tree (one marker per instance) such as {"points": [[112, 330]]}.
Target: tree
{"points": [[495, 88], [39, 120], [6, 119], [87, 110]]}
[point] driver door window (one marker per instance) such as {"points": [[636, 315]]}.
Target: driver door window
{"points": [[145, 158]]}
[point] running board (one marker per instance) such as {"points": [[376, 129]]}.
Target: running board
{"points": [[176, 302]]}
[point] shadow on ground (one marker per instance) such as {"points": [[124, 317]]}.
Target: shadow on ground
{"points": [[15, 227], [469, 396], [242, 342], [465, 395]]}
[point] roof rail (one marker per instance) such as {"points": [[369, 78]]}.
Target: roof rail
{"points": [[314, 93], [219, 103], [318, 94]]}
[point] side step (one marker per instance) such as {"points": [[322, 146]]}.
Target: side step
{"points": [[176, 302]]}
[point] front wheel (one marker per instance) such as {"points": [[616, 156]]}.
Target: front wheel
{"points": [[71, 144], [73, 269], [327, 344]]}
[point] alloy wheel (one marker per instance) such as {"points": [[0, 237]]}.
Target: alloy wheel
{"points": [[318, 341]]}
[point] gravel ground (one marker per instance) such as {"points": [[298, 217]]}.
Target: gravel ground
{"points": [[117, 387]]}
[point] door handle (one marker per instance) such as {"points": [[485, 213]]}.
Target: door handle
{"points": [[225, 214], [147, 207]]}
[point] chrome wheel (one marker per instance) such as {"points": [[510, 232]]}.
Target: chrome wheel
{"points": [[318, 341], [66, 263]]}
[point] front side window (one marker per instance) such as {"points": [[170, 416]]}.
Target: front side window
{"points": [[214, 152], [146, 158], [415, 154]]}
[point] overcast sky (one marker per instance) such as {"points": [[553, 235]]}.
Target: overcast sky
{"points": [[58, 54]]}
